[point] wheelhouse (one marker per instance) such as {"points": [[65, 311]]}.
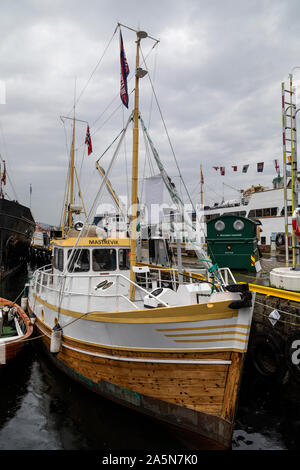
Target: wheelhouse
{"points": [[91, 255]]}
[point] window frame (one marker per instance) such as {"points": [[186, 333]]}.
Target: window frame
{"points": [[104, 269], [71, 263]]}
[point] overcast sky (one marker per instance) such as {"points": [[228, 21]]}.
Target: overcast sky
{"points": [[217, 74]]}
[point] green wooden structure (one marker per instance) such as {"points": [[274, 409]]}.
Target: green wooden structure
{"points": [[232, 242]]}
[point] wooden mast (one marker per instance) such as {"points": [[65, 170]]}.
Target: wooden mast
{"points": [[70, 217], [67, 219], [139, 73], [134, 182]]}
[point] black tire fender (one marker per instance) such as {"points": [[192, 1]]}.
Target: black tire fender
{"points": [[267, 355]]}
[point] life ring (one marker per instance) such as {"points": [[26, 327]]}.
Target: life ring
{"points": [[267, 355], [296, 222], [292, 355], [280, 239]]}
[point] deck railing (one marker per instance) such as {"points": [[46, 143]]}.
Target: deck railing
{"points": [[47, 284]]}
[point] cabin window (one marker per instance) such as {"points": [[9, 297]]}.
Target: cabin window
{"points": [[80, 261], [263, 240], [104, 259], [274, 210], [266, 212], [124, 259], [219, 225], [289, 210], [59, 259], [238, 225]]}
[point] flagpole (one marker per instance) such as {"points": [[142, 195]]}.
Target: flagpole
{"points": [[201, 187]]}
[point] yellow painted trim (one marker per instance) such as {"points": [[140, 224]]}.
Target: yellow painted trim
{"points": [[209, 334], [92, 242], [274, 292], [204, 327], [209, 340], [186, 313]]}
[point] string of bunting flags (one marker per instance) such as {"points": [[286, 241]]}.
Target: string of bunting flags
{"points": [[259, 168]]}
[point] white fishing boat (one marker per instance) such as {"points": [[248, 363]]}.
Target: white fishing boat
{"points": [[163, 342]]}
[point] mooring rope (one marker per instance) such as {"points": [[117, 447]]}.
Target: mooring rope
{"points": [[278, 310]]}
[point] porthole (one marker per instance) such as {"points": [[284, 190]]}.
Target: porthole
{"points": [[219, 225], [238, 225]]}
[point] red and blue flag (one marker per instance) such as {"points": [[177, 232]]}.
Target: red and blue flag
{"points": [[124, 73], [88, 140]]}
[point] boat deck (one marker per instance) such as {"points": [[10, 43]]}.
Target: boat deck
{"points": [[7, 332]]}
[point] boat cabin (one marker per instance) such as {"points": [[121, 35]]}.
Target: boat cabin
{"points": [[91, 256], [94, 255]]}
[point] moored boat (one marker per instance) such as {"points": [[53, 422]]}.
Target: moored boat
{"points": [[16, 229], [164, 343], [15, 329]]}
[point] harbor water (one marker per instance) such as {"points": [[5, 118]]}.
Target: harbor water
{"points": [[42, 409]]}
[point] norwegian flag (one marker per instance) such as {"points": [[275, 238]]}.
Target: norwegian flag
{"points": [[276, 166], [222, 170], [124, 74], [88, 140], [234, 168]]}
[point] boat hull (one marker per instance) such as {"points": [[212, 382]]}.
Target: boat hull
{"points": [[10, 349], [194, 393], [16, 229]]}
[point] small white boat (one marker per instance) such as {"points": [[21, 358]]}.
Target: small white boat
{"points": [[15, 329]]}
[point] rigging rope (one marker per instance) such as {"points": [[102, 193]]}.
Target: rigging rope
{"points": [[168, 137], [73, 257], [93, 72]]}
